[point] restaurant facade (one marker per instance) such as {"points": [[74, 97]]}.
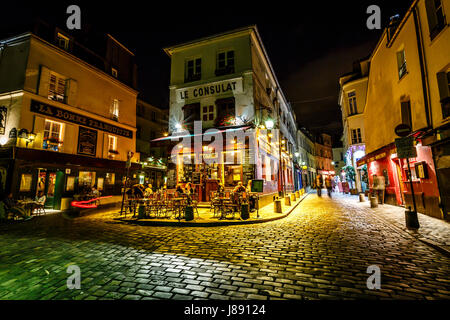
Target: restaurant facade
{"points": [[228, 116], [69, 123]]}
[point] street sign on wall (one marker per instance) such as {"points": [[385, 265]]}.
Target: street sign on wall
{"points": [[405, 147], [402, 130]]}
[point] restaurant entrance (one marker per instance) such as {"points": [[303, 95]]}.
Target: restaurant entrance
{"points": [[51, 184]]}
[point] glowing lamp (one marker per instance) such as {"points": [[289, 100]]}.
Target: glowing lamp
{"points": [[269, 124]]}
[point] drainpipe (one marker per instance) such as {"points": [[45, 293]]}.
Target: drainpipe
{"points": [[423, 68]]}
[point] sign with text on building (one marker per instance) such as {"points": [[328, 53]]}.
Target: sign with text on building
{"points": [[69, 116], [405, 148], [210, 89]]}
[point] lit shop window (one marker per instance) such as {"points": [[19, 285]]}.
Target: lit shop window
{"points": [[112, 146], [114, 111], [208, 113], [86, 179], [53, 135], [110, 178], [57, 88]]}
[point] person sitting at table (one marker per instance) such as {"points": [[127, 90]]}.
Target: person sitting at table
{"points": [[95, 193], [14, 209], [40, 198], [221, 190], [138, 191], [189, 188], [148, 191], [239, 188], [179, 189]]}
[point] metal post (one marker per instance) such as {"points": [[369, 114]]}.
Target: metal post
{"points": [[412, 187], [123, 193]]}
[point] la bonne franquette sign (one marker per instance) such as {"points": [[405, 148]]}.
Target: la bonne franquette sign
{"points": [[210, 89]]}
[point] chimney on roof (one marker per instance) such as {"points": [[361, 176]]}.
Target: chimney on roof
{"points": [[394, 21]]}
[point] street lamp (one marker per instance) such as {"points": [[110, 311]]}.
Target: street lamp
{"points": [[269, 124]]}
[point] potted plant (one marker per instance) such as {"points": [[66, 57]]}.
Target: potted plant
{"points": [[350, 177]]}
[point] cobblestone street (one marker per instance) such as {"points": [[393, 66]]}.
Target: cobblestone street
{"points": [[320, 251]]}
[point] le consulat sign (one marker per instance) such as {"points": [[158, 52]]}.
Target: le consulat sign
{"points": [[210, 89], [69, 116]]}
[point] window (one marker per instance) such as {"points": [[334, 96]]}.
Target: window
{"points": [[406, 113], [114, 72], [352, 103], [356, 136], [208, 113], [112, 146], [401, 64], [436, 17], [110, 178], [225, 112], [444, 92], [152, 135], [153, 116], [114, 112], [63, 41], [53, 132], [57, 88], [225, 63], [140, 110], [193, 70]]}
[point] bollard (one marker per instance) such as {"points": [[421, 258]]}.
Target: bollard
{"points": [[141, 212], [297, 194], [412, 222], [293, 198], [189, 213], [277, 206], [361, 197], [373, 202], [244, 212], [287, 201]]}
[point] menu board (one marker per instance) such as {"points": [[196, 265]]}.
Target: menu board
{"points": [[87, 141], [196, 177], [257, 185]]}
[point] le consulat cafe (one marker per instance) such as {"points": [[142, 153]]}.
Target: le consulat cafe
{"points": [[223, 120], [69, 126]]}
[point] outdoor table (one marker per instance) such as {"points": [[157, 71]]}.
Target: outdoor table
{"points": [[178, 202], [221, 206], [28, 205]]}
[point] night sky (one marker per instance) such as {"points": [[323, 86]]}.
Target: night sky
{"points": [[309, 47]]}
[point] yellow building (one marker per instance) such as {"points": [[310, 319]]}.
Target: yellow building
{"points": [[226, 82], [409, 84], [68, 115]]}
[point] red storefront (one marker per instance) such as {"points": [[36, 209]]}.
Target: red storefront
{"points": [[385, 163]]}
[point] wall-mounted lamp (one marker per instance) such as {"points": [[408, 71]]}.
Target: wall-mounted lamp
{"points": [[269, 124]]}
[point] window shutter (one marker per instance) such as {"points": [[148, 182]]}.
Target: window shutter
{"points": [[399, 59], [431, 15], [44, 80], [71, 91], [442, 80]]}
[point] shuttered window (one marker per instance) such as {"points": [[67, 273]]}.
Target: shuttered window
{"points": [[435, 17], [444, 92], [406, 113], [57, 88]]}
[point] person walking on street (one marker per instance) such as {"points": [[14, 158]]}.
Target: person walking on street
{"points": [[319, 184], [328, 185]]}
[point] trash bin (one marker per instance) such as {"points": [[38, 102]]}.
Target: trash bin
{"points": [[373, 201], [361, 197], [277, 206], [189, 213], [245, 212], [411, 219], [141, 212]]}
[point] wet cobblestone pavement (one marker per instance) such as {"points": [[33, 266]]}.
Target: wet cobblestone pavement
{"points": [[320, 251]]}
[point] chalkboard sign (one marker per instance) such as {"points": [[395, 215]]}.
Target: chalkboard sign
{"points": [[257, 185], [87, 141], [196, 177]]}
